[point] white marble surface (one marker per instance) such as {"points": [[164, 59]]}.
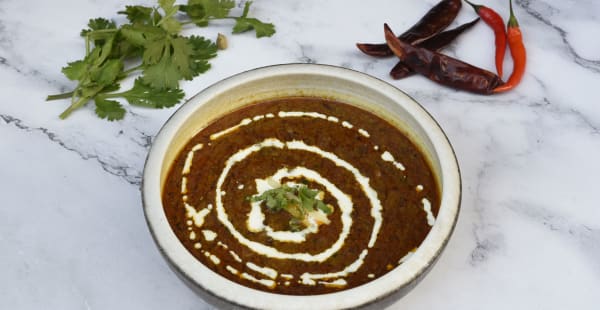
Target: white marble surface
{"points": [[72, 232]]}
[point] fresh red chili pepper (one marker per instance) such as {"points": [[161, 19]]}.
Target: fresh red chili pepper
{"points": [[517, 51], [434, 43], [494, 20], [441, 68], [434, 21]]}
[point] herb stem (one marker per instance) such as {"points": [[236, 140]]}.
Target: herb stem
{"points": [[87, 46], [209, 18], [112, 95], [60, 96], [74, 106], [101, 31], [128, 71]]}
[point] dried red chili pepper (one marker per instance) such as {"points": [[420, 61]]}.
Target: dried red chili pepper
{"points": [[434, 43], [434, 21], [517, 51], [495, 21], [441, 68]]}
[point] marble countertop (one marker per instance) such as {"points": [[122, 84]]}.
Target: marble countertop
{"points": [[72, 230]]}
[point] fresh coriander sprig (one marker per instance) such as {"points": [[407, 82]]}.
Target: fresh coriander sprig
{"points": [[159, 54], [300, 202]]}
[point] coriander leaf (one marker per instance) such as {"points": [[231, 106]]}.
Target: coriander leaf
{"points": [[171, 25], [244, 24], [307, 203], [101, 52], [196, 13], [200, 11], [123, 49], [74, 70], [214, 8], [323, 207], [201, 50], [162, 75], [168, 21], [134, 35], [140, 34], [107, 73], [272, 203], [100, 29], [181, 57], [304, 191], [166, 4], [146, 96], [109, 109], [155, 51], [137, 14], [98, 24], [187, 57], [298, 201]]}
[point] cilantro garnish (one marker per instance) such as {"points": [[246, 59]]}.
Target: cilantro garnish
{"points": [[299, 201], [152, 47], [244, 23]]}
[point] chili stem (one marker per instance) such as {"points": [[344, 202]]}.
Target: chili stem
{"points": [[517, 51]]}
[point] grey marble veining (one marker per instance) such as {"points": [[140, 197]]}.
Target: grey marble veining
{"points": [[72, 231]]}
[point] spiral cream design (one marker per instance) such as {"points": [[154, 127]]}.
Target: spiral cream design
{"points": [[265, 275]]}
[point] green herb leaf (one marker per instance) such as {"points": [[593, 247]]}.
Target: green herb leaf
{"points": [[214, 8], [152, 39], [137, 14], [107, 73], [101, 52], [247, 24], [155, 50], [74, 70], [201, 11], [162, 75], [124, 49], [202, 50], [243, 24], [298, 201], [146, 96], [109, 109], [327, 209], [98, 24], [197, 14], [168, 21], [181, 57], [142, 35]]}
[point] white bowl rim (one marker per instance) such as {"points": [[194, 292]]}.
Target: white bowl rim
{"points": [[403, 276]]}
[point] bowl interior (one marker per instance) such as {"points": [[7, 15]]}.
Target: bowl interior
{"points": [[302, 80]]}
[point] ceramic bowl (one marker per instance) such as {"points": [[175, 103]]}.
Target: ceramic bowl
{"points": [[277, 81]]}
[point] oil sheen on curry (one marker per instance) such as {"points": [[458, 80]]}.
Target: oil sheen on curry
{"points": [[301, 196]]}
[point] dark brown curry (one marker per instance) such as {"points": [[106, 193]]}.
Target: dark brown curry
{"points": [[381, 188]]}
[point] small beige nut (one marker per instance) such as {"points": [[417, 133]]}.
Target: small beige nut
{"points": [[221, 41]]}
